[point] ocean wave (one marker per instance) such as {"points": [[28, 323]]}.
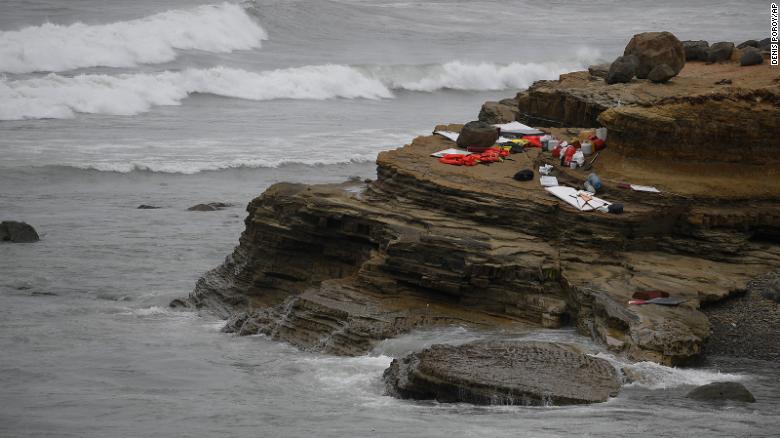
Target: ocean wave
{"points": [[149, 40], [59, 96]]}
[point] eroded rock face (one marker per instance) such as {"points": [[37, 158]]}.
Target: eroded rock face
{"points": [[503, 373], [656, 48], [722, 391], [477, 134], [17, 232]]}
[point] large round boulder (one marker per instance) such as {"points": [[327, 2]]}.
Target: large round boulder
{"points": [[656, 48], [720, 52], [504, 373], [721, 391], [477, 134], [751, 56], [696, 50], [17, 232], [622, 70]]}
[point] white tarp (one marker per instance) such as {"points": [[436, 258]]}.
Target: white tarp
{"points": [[450, 151], [454, 136], [548, 181], [649, 189], [518, 128], [579, 199]]}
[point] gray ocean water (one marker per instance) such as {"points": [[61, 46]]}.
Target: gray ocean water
{"points": [[108, 104]]}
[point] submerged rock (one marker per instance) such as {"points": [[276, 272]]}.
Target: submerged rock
{"points": [[147, 207], [653, 49], [211, 206], [503, 373], [720, 52], [696, 50], [721, 391], [17, 232], [477, 134], [622, 70]]}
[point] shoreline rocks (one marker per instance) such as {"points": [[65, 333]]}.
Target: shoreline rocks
{"points": [[211, 206], [653, 49], [503, 373], [17, 232], [722, 391]]}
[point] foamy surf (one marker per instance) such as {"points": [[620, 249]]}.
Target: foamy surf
{"points": [[59, 97], [150, 40], [651, 375]]}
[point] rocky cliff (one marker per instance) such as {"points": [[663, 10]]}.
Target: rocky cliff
{"points": [[336, 268]]}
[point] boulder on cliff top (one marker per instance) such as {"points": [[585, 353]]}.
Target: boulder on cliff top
{"points": [[749, 43], [720, 391], [696, 50], [477, 134], [655, 48], [720, 52], [599, 70], [17, 232], [497, 113], [661, 73], [751, 56], [622, 70], [503, 372]]}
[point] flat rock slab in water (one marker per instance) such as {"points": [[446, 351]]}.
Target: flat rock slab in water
{"points": [[503, 373]]}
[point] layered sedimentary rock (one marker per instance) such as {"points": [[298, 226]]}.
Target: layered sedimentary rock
{"points": [[503, 373], [336, 268]]}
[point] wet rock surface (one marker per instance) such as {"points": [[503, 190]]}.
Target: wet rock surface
{"points": [[722, 391], [503, 373], [17, 232]]}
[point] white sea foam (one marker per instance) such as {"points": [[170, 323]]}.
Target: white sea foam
{"points": [[655, 376], [59, 96], [154, 39]]}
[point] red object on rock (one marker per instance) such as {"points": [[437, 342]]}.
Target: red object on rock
{"points": [[534, 140]]}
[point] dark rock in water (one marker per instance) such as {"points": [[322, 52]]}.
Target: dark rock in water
{"points": [[720, 52], [477, 134], [599, 70], [751, 56], [622, 70], [719, 391], [178, 304], [661, 73], [147, 207], [496, 112], [211, 206], [17, 232], [655, 48], [749, 43], [503, 373], [696, 50]]}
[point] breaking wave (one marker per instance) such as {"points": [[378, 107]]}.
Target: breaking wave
{"points": [[149, 40], [59, 96]]}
